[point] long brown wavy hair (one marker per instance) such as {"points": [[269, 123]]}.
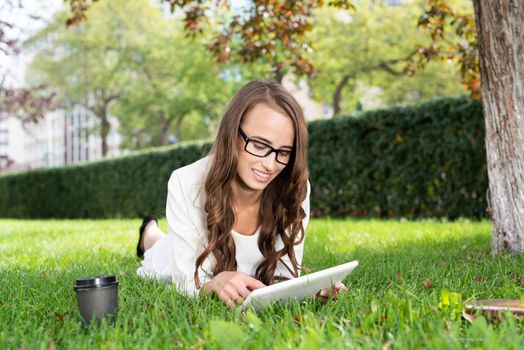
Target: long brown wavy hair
{"points": [[281, 200]]}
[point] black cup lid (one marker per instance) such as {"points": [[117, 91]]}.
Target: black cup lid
{"points": [[96, 281]]}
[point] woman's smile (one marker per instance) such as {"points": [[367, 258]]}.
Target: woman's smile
{"points": [[261, 176]]}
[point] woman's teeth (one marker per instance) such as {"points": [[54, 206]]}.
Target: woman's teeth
{"points": [[261, 174]]}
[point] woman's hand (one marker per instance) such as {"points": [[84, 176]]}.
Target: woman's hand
{"points": [[232, 287], [332, 292]]}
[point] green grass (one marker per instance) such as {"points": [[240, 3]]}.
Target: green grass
{"points": [[387, 303]]}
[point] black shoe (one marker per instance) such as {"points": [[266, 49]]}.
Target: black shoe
{"points": [[147, 220]]}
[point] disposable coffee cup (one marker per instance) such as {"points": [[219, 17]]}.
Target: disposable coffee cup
{"points": [[97, 298]]}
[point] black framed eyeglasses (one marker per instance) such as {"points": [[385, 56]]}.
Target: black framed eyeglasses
{"points": [[262, 150]]}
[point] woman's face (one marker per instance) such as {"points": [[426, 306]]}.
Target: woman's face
{"points": [[263, 125]]}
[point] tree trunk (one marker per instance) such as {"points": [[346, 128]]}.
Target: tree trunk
{"points": [[100, 112], [178, 128], [104, 131], [337, 95], [278, 73], [166, 123], [500, 28]]}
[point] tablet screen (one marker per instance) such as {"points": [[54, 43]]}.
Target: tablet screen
{"points": [[298, 288]]}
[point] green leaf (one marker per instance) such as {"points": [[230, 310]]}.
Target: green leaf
{"points": [[450, 302], [444, 299]]}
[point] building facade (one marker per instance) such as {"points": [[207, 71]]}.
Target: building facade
{"points": [[63, 137], [11, 147]]}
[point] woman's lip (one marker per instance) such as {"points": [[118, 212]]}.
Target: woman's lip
{"points": [[263, 172], [259, 178]]}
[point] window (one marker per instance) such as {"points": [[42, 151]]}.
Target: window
{"points": [[3, 137], [3, 142]]}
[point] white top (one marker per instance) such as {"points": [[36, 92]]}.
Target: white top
{"points": [[187, 226]]}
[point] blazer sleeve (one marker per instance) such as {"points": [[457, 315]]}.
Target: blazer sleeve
{"points": [[281, 270], [188, 238]]}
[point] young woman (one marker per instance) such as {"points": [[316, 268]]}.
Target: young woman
{"points": [[237, 218]]}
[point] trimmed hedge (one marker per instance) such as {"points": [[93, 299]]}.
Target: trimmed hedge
{"points": [[417, 161], [130, 186]]}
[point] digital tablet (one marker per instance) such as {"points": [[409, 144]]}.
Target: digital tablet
{"points": [[298, 288]]}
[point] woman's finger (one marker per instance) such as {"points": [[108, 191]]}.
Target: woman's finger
{"points": [[323, 296], [241, 289], [239, 300], [236, 293], [340, 287], [252, 283], [236, 300], [228, 295], [229, 302], [325, 293], [329, 293]]}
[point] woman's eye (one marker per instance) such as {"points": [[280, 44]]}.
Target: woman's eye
{"points": [[259, 146], [285, 153]]}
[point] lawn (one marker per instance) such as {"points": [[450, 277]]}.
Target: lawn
{"points": [[406, 270]]}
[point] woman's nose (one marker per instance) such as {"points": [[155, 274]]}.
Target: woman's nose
{"points": [[270, 161]]}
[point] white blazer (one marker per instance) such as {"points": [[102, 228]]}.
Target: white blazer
{"points": [[187, 227]]}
